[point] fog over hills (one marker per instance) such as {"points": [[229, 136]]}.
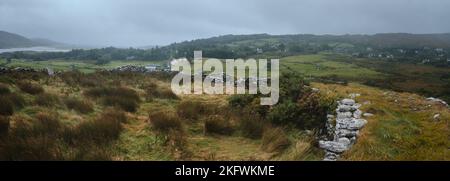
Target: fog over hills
{"points": [[137, 23]]}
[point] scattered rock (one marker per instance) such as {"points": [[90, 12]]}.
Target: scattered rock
{"points": [[368, 114], [357, 114], [354, 95], [333, 146], [348, 102], [366, 102], [436, 117], [432, 99]]}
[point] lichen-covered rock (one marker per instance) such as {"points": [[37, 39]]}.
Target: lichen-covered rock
{"points": [[348, 102], [333, 146], [330, 156], [344, 115], [357, 114], [346, 129]]}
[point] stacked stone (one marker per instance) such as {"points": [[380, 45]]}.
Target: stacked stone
{"points": [[130, 68], [348, 124]]}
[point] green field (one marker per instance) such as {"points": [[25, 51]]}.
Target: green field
{"points": [[324, 65]]}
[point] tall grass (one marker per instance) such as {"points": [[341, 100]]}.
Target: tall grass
{"points": [[30, 87], [122, 97], [217, 124], [47, 100], [81, 106], [103, 129], [274, 140]]}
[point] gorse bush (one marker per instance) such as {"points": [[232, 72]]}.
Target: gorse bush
{"points": [[30, 87], [292, 86], [217, 124], [274, 140], [284, 114], [240, 100], [313, 110], [82, 106]]}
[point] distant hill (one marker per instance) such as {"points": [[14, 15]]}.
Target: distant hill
{"points": [[384, 40], [11, 40]]}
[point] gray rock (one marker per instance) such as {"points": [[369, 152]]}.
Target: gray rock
{"points": [[344, 141], [368, 114], [333, 146], [436, 117], [357, 114], [347, 133], [354, 95], [348, 102], [343, 115], [330, 156], [432, 99]]}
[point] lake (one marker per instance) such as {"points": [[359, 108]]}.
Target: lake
{"points": [[36, 49]]}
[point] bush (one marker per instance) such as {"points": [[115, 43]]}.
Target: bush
{"points": [[190, 109], [164, 121], [291, 86], [313, 110], [30, 87], [240, 100], [274, 140], [47, 100], [284, 114], [218, 125], [82, 106]]}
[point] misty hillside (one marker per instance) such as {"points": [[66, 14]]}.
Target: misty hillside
{"points": [[10, 40]]}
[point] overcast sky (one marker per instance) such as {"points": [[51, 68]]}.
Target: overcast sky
{"points": [[160, 22]]}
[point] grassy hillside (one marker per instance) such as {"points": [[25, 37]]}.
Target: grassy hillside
{"points": [[402, 128]]}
